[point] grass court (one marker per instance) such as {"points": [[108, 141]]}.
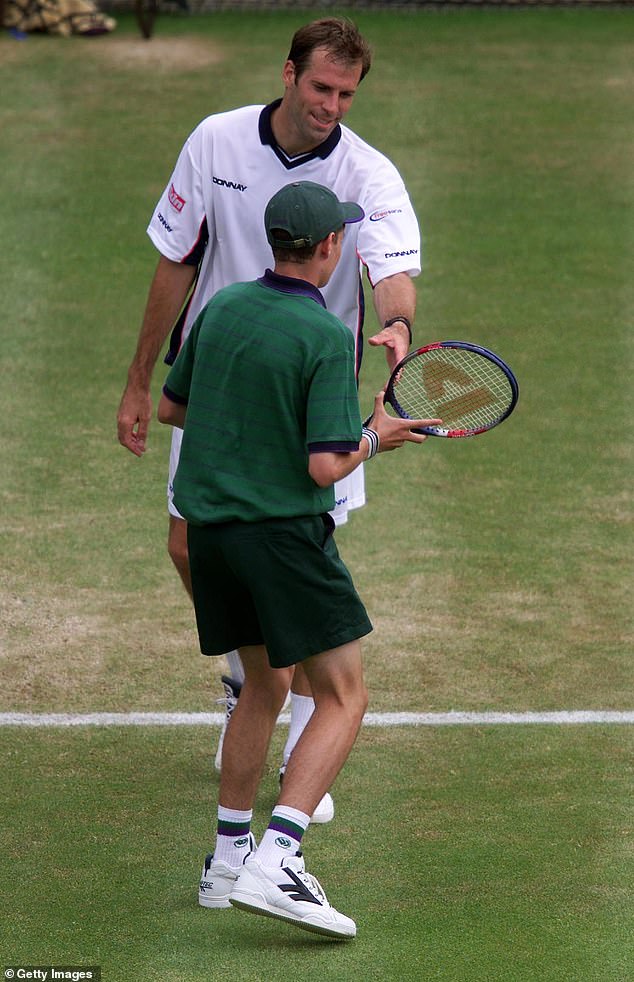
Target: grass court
{"points": [[497, 571]]}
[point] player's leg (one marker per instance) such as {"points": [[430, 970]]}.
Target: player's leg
{"points": [[274, 880], [349, 495], [245, 748], [302, 708], [232, 682], [177, 549], [336, 679], [251, 727]]}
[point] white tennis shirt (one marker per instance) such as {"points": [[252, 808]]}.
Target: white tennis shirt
{"points": [[212, 210]]}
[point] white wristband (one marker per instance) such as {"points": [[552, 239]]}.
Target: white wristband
{"points": [[373, 441]]}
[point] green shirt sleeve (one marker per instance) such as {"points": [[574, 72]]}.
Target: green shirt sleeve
{"points": [[332, 412]]}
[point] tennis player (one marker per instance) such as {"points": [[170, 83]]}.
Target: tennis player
{"points": [[265, 389], [208, 230]]}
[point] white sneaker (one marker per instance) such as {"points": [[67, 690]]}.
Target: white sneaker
{"points": [[218, 880], [232, 693], [289, 893], [325, 810]]}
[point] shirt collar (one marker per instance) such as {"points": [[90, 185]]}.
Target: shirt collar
{"points": [[267, 138], [289, 284]]}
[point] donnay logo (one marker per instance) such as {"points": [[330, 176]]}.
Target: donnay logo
{"points": [[229, 184], [241, 842], [282, 842], [166, 225]]}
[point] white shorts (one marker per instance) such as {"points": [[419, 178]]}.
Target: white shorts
{"points": [[349, 493]]}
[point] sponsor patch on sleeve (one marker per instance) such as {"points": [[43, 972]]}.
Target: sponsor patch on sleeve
{"points": [[175, 199], [378, 216]]}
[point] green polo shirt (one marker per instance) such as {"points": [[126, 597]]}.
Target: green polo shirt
{"points": [[268, 377]]}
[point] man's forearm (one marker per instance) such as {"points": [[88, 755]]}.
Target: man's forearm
{"points": [[394, 296], [166, 297]]}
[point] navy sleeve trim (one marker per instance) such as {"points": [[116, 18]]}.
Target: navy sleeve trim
{"points": [[173, 397], [176, 337], [195, 254], [341, 447]]}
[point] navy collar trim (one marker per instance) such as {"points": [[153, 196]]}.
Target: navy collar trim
{"points": [[267, 138], [288, 284]]}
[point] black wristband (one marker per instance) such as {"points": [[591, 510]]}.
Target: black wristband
{"points": [[403, 320]]}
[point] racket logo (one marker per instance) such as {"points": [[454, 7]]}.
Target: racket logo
{"points": [[440, 379]]}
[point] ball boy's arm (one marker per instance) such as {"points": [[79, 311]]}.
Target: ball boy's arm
{"points": [[392, 432]]}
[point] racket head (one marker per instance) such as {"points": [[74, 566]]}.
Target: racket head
{"points": [[467, 386]]}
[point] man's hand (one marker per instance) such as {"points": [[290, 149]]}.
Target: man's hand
{"points": [[395, 339], [168, 293], [394, 296], [393, 431], [133, 419]]}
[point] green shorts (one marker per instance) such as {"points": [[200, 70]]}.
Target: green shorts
{"points": [[279, 582]]}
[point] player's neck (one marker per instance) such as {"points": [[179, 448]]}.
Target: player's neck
{"points": [[286, 136], [309, 272]]}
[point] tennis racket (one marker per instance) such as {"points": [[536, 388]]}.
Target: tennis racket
{"points": [[468, 387]]}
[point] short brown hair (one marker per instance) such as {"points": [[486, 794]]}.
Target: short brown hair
{"points": [[341, 38], [301, 255]]}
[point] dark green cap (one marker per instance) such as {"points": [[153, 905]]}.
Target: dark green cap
{"points": [[308, 212]]}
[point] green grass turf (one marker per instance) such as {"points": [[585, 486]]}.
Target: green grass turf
{"points": [[491, 567], [497, 571], [465, 855]]}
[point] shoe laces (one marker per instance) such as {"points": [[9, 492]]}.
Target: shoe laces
{"points": [[311, 881], [229, 703], [315, 887], [232, 693]]}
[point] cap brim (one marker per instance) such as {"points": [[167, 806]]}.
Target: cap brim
{"points": [[352, 212]]}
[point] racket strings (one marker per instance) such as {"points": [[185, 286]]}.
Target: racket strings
{"points": [[464, 389]]}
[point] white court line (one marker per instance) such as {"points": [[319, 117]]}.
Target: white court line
{"points": [[558, 718]]}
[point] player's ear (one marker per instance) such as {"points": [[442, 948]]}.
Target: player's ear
{"points": [[288, 73], [328, 244]]}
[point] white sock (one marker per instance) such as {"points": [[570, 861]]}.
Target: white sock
{"points": [[233, 841], [283, 836], [236, 671], [302, 708]]}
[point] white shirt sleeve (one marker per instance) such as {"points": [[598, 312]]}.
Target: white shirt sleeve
{"points": [[389, 237], [179, 221]]}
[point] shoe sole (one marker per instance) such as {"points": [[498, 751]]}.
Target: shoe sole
{"points": [[208, 902], [253, 908]]}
